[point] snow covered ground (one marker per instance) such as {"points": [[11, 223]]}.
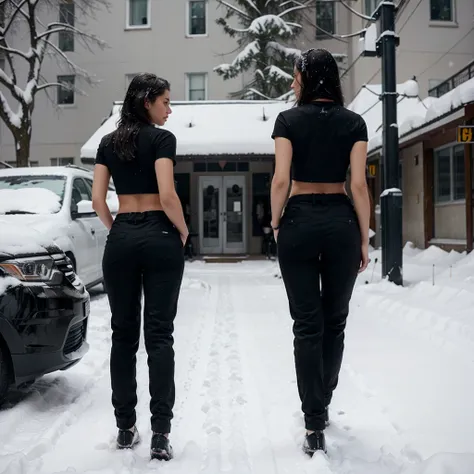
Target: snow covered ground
{"points": [[403, 405]]}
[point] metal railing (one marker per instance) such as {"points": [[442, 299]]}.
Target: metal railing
{"points": [[449, 84]]}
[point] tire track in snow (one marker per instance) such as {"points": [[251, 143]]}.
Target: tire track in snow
{"points": [[225, 397], [211, 407]]}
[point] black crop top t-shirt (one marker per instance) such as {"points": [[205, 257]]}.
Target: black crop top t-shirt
{"points": [[322, 135], [138, 175]]}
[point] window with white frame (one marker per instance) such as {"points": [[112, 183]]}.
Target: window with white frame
{"points": [[449, 174], [138, 13], [197, 21], [62, 161], [66, 94], [325, 18], [67, 13], [442, 10], [197, 86]]}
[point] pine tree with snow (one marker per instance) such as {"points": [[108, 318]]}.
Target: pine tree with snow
{"points": [[21, 76], [265, 28]]}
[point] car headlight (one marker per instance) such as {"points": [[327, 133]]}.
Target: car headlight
{"points": [[30, 269]]}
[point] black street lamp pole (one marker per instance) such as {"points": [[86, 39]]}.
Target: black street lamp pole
{"points": [[391, 198]]}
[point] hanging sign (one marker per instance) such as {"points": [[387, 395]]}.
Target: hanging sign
{"points": [[466, 134]]}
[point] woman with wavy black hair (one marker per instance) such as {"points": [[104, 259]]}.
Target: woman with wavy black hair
{"points": [[144, 251], [322, 236]]}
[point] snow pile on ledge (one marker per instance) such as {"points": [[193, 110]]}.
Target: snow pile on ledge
{"points": [[412, 112], [32, 200], [212, 127]]}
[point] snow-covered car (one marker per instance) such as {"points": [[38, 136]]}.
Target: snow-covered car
{"points": [[57, 201], [44, 308]]}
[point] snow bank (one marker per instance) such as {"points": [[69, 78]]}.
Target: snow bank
{"points": [[33, 200], [444, 463], [210, 128]]}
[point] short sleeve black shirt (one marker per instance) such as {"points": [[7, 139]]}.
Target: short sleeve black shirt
{"points": [[138, 175], [322, 135]]}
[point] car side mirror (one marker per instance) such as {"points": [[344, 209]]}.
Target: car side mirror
{"points": [[84, 209]]}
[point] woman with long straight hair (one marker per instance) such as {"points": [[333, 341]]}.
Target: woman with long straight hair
{"points": [[144, 252], [322, 236]]}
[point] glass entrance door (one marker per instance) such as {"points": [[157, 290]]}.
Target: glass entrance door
{"points": [[222, 224]]}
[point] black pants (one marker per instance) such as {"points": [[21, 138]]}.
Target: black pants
{"points": [[143, 251], [319, 250]]}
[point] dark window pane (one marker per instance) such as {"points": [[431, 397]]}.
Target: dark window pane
{"points": [[325, 18], [66, 93], [197, 18], [441, 10], [459, 186], [443, 175], [138, 12], [66, 15], [261, 212]]}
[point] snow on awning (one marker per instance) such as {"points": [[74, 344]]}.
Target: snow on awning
{"points": [[367, 103], [207, 128], [412, 113]]}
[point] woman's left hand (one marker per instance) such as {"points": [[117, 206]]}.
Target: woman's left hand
{"points": [[275, 234]]}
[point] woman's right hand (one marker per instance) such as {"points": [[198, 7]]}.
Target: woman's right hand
{"points": [[364, 261], [184, 238]]}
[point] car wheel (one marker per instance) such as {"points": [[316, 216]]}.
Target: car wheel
{"points": [[5, 373]]}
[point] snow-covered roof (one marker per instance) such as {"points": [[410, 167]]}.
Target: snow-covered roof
{"points": [[207, 128], [412, 113]]}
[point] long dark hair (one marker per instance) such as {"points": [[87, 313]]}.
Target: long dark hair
{"points": [[319, 77], [144, 87]]}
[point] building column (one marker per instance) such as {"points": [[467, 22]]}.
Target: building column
{"points": [[428, 191], [468, 179]]}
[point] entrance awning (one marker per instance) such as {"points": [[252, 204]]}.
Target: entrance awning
{"points": [[209, 128]]}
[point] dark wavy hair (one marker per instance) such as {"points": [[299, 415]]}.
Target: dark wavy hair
{"points": [[319, 77], [133, 116]]}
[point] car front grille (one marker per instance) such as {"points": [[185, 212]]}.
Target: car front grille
{"points": [[75, 337], [65, 266]]}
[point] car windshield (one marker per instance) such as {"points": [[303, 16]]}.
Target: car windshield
{"points": [[39, 192]]}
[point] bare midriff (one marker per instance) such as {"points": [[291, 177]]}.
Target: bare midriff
{"points": [[139, 203], [299, 187]]}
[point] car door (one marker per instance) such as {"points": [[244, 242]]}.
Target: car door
{"points": [[101, 233], [83, 233]]}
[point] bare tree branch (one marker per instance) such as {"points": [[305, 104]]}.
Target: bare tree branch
{"points": [[28, 14], [236, 10], [5, 29]]}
